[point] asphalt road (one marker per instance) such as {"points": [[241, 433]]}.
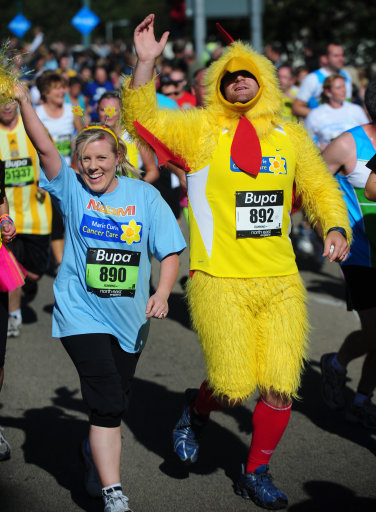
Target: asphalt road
{"points": [[322, 462]]}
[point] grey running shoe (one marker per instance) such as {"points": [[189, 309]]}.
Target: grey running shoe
{"points": [[364, 414], [4, 446], [93, 484], [115, 500], [332, 383], [14, 325]]}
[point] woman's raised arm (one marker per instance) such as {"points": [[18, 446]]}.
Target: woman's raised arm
{"points": [[37, 133]]}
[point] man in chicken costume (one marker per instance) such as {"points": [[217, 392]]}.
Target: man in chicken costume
{"points": [[244, 167]]}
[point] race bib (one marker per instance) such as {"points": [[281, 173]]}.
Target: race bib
{"points": [[63, 144], [112, 272], [18, 172], [259, 214]]}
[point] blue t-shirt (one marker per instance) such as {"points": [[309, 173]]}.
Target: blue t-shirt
{"points": [[103, 281], [166, 102]]}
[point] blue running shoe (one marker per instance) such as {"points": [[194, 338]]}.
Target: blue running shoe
{"points": [[332, 383], [187, 431], [259, 487]]}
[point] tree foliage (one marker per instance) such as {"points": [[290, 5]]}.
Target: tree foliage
{"points": [[313, 23], [294, 23]]}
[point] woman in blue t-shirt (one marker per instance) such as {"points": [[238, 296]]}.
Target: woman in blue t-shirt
{"points": [[102, 305]]}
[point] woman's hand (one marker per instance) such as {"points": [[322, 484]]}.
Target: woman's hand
{"points": [[8, 232], [147, 48], [157, 307]]}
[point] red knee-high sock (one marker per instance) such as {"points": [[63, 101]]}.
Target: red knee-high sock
{"points": [[269, 423], [205, 401]]}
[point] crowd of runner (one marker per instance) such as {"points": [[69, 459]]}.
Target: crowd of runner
{"points": [[86, 138]]}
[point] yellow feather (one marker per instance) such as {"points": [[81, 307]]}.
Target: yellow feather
{"points": [[252, 331]]}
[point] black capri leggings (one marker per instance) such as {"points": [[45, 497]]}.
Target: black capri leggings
{"points": [[106, 372], [3, 326]]}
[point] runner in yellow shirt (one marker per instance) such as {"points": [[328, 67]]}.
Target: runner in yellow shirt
{"points": [[29, 206]]}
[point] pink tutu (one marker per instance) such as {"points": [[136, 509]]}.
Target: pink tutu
{"points": [[12, 273]]}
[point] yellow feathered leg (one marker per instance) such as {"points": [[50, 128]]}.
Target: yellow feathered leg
{"points": [[252, 332]]}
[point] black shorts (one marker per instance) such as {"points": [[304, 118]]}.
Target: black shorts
{"points": [[106, 372], [3, 325], [31, 251], [360, 287]]}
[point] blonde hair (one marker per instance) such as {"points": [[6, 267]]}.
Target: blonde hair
{"points": [[86, 136]]}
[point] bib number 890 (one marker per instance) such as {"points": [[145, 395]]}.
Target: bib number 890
{"points": [[112, 274], [261, 215]]}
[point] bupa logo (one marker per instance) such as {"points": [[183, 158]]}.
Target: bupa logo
{"points": [[260, 199], [113, 257], [14, 164]]}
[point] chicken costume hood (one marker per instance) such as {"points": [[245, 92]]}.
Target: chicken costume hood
{"points": [[263, 111]]}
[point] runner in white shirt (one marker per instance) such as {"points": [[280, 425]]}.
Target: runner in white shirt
{"points": [[56, 115], [58, 119], [311, 87], [335, 115]]}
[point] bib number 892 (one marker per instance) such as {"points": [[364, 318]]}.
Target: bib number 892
{"points": [[261, 215], [112, 274]]}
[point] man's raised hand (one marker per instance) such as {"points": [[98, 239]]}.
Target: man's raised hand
{"points": [[147, 48]]}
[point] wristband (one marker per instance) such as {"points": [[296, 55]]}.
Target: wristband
{"points": [[5, 218], [340, 230]]}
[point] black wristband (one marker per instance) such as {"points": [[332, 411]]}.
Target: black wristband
{"points": [[340, 230]]}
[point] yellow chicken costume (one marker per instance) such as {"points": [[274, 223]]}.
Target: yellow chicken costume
{"points": [[245, 167], [246, 297]]}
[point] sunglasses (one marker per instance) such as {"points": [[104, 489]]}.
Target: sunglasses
{"points": [[175, 83]]}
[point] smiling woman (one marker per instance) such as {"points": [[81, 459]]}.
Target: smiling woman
{"points": [[100, 155], [114, 225], [97, 166]]}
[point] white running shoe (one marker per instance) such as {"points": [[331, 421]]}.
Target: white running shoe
{"points": [[14, 326], [115, 500]]}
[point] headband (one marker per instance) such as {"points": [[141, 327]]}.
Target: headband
{"points": [[102, 127]]}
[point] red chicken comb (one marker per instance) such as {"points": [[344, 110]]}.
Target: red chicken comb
{"points": [[225, 35]]}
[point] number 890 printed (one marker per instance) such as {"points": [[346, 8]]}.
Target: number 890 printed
{"points": [[113, 274]]}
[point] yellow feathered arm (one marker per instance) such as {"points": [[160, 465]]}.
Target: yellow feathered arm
{"points": [[321, 198], [182, 131]]}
